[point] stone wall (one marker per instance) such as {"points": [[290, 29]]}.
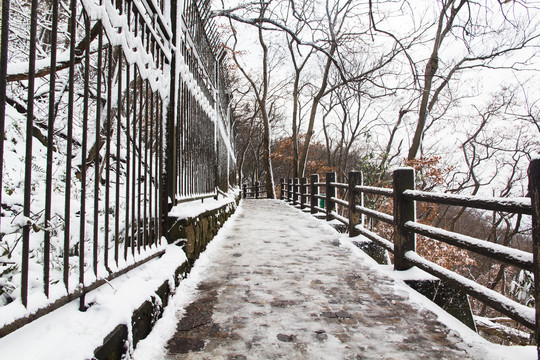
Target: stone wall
{"points": [[196, 232], [192, 233]]}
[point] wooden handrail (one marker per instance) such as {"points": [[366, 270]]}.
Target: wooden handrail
{"points": [[406, 228]]}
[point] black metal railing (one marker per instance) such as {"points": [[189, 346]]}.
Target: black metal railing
{"points": [[88, 141], [202, 151], [304, 194]]}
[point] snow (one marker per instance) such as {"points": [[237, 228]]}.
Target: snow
{"points": [[70, 334], [487, 322], [308, 233], [521, 202], [474, 244], [516, 309], [153, 346], [195, 208], [474, 340], [132, 46]]}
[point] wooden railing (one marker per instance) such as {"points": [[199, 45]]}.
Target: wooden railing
{"points": [[256, 191], [405, 228]]}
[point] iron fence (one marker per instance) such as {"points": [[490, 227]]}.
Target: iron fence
{"points": [[87, 89], [203, 158]]}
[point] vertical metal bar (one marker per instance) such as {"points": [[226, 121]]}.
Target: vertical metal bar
{"points": [[4, 43], [140, 229], [177, 147], [193, 147], [28, 153], [128, 160], [190, 134], [534, 191], [146, 174], [137, 119], [71, 95], [183, 133], [404, 210], [50, 144], [134, 162], [156, 170], [97, 147], [108, 157], [195, 150], [159, 162], [163, 211], [82, 235], [118, 166], [151, 233]]}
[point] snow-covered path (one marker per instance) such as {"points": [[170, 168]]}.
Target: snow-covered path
{"points": [[278, 284]]}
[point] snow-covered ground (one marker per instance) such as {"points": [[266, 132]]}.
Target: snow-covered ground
{"points": [[261, 250], [70, 334], [281, 275]]}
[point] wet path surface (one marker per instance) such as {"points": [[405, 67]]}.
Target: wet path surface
{"points": [[281, 287]]}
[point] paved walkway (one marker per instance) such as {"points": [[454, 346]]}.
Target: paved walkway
{"points": [[282, 288]]}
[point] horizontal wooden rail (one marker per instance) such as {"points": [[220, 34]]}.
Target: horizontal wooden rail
{"points": [[375, 190], [494, 251], [340, 218], [340, 201], [389, 219], [320, 209], [340, 185], [518, 206], [375, 238], [499, 302]]}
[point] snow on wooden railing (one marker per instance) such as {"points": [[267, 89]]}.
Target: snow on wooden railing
{"points": [[321, 197]]}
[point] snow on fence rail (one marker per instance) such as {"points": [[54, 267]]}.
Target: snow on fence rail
{"points": [[306, 194], [102, 133]]}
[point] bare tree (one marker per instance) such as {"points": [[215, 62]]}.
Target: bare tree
{"points": [[261, 94], [461, 23]]}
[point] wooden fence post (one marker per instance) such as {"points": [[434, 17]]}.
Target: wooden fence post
{"points": [[330, 193], [404, 210], [314, 191], [256, 189], [281, 189], [534, 191], [303, 182], [289, 190], [295, 191], [244, 190], [355, 178]]}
